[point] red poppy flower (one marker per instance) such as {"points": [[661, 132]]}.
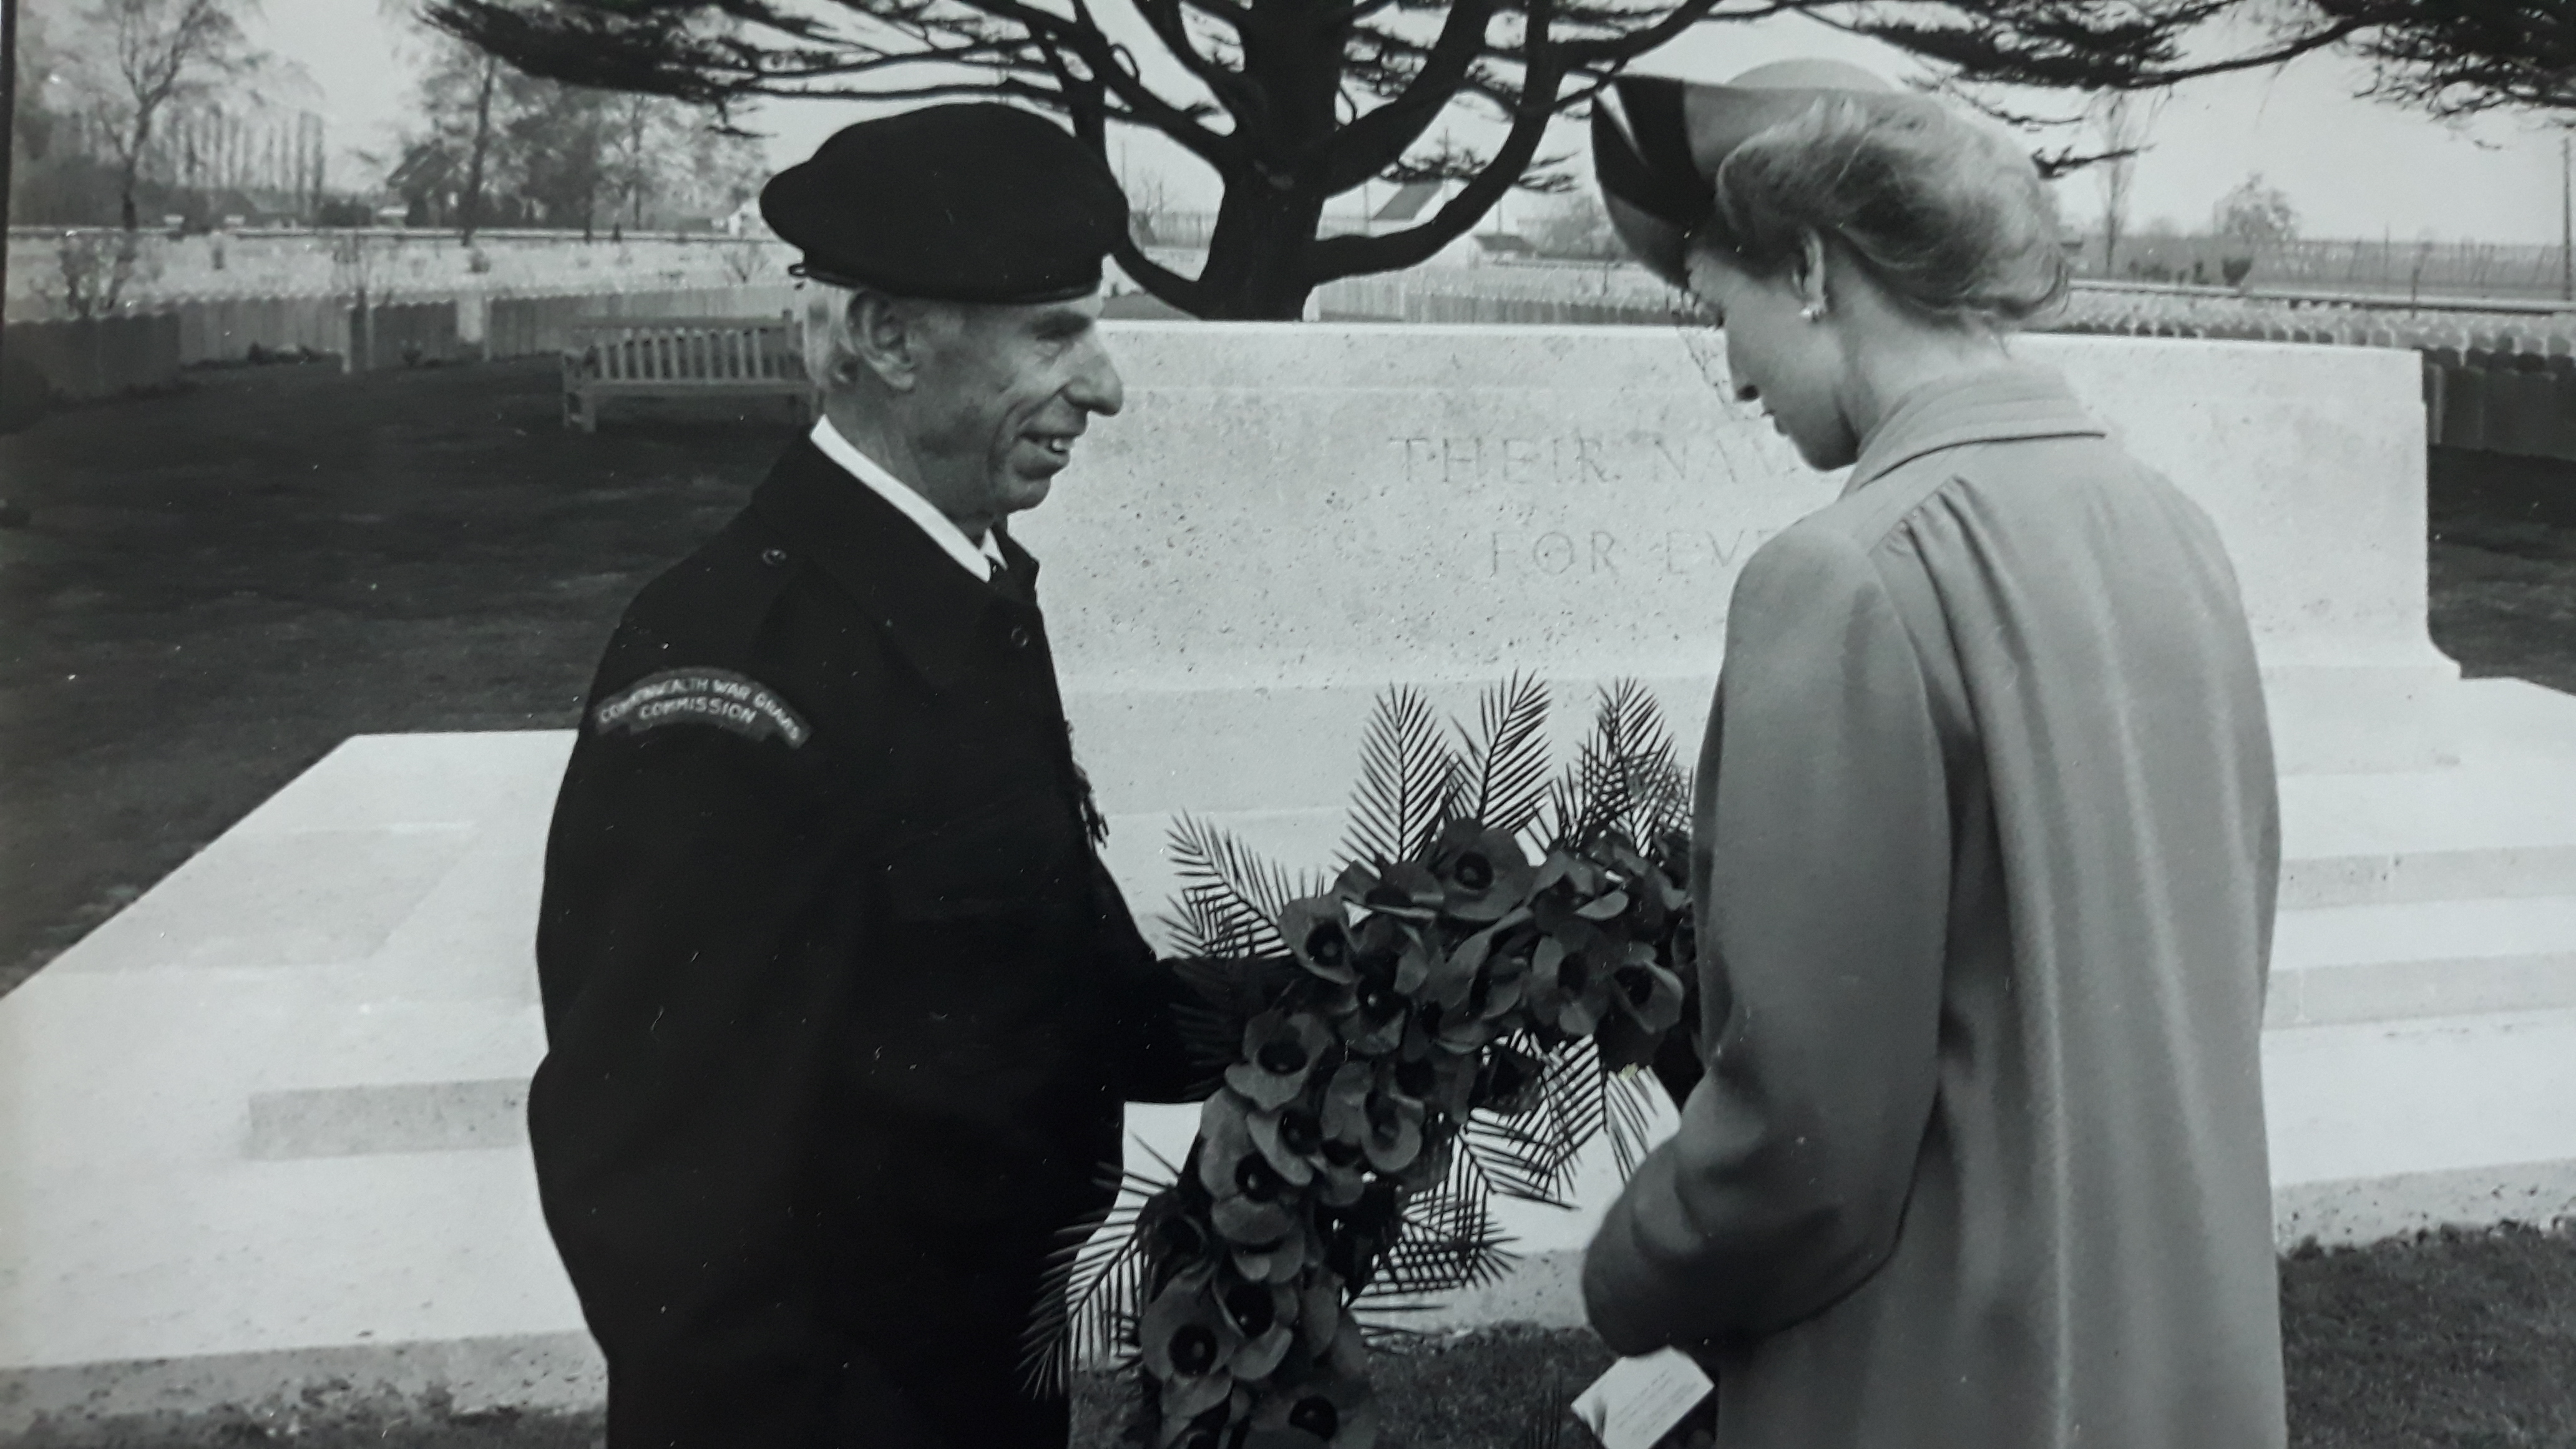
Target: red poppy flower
{"points": [[1329, 1408], [1644, 989], [1291, 1139], [1406, 890], [1567, 988], [1320, 938], [1252, 1204], [1265, 1314], [1394, 1131], [1427, 1074], [1280, 1049], [1376, 1023], [1278, 1261], [1483, 873], [1189, 1346]]}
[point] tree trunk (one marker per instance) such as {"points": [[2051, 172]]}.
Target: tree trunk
{"points": [[1255, 268], [482, 143], [130, 173]]}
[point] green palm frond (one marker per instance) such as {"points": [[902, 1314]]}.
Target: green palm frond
{"points": [[1532, 1156], [1663, 800], [1520, 1163], [1563, 823], [1575, 1096], [1630, 1109], [1631, 718], [1206, 923], [1408, 780], [1591, 796], [1093, 1288], [1653, 788], [1230, 898], [1447, 1241], [1625, 776], [1503, 767]]}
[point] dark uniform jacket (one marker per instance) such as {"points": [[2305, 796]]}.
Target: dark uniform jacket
{"points": [[841, 1005]]}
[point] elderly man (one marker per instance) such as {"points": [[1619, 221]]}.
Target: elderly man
{"points": [[841, 1006]]}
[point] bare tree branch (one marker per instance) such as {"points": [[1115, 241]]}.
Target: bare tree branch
{"points": [[1293, 102]]}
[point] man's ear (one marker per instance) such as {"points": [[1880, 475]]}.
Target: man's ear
{"points": [[887, 338]]}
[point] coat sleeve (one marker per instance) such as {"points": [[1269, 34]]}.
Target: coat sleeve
{"points": [[1824, 906], [695, 930], [1154, 1062]]}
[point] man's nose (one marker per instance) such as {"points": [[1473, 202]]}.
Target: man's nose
{"points": [[1096, 384]]}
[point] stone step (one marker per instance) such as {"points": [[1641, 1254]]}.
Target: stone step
{"points": [[310, 1165], [2383, 1128], [2337, 964], [2377, 1130], [2501, 822], [2478, 830]]}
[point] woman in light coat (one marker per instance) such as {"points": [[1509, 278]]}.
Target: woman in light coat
{"points": [[1987, 839]]}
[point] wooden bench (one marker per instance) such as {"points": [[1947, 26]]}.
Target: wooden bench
{"points": [[684, 357]]}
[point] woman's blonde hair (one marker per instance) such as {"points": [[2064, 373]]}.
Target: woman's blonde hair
{"points": [[1949, 218]]}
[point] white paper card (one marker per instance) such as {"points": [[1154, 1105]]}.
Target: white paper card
{"points": [[1640, 1399]]}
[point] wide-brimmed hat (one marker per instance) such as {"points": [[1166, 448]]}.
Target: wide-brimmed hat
{"points": [[1657, 143]]}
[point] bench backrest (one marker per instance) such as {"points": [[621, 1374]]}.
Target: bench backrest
{"points": [[688, 349]]}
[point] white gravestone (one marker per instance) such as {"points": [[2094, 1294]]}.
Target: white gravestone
{"points": [[1285, 520]]}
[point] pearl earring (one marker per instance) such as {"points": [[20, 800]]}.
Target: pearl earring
{"points": [[1813, 311]]}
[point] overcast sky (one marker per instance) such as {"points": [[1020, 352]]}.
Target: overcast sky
{"points": [[2352, 168]]}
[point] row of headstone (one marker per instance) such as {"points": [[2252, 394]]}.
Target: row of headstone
{"points": [[401, 334], [2257, 320], [82, 358], [239, 329], [2519, 411], [539, 326], [1396, 299], [2502, 392], [94, 357], [2333, 332]]}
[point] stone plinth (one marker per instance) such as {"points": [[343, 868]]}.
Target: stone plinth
{"points": [[1286, 519]]}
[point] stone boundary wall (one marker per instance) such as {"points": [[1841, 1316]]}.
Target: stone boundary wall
{"points": [[49, 267]]}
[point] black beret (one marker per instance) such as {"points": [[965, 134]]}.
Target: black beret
{"points": [[1656, 150], [973, 202]]}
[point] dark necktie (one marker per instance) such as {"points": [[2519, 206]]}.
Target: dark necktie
{"points": [[1009, 582]]}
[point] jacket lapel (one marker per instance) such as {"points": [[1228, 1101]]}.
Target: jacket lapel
{"points": [[932, 610]]}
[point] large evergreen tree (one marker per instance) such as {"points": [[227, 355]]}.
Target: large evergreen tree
{"points": [[1295, 102]]}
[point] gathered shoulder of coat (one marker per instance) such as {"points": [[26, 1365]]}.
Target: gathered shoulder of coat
{"points": [[1988, 846]]}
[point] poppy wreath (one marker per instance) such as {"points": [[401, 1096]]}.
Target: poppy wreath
{"points": [[1456, 1014]]}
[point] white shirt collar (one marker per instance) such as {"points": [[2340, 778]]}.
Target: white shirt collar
{"points": [[976, 560]]}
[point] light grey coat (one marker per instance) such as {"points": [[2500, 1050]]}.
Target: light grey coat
{"points": [[1988, 844]]}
